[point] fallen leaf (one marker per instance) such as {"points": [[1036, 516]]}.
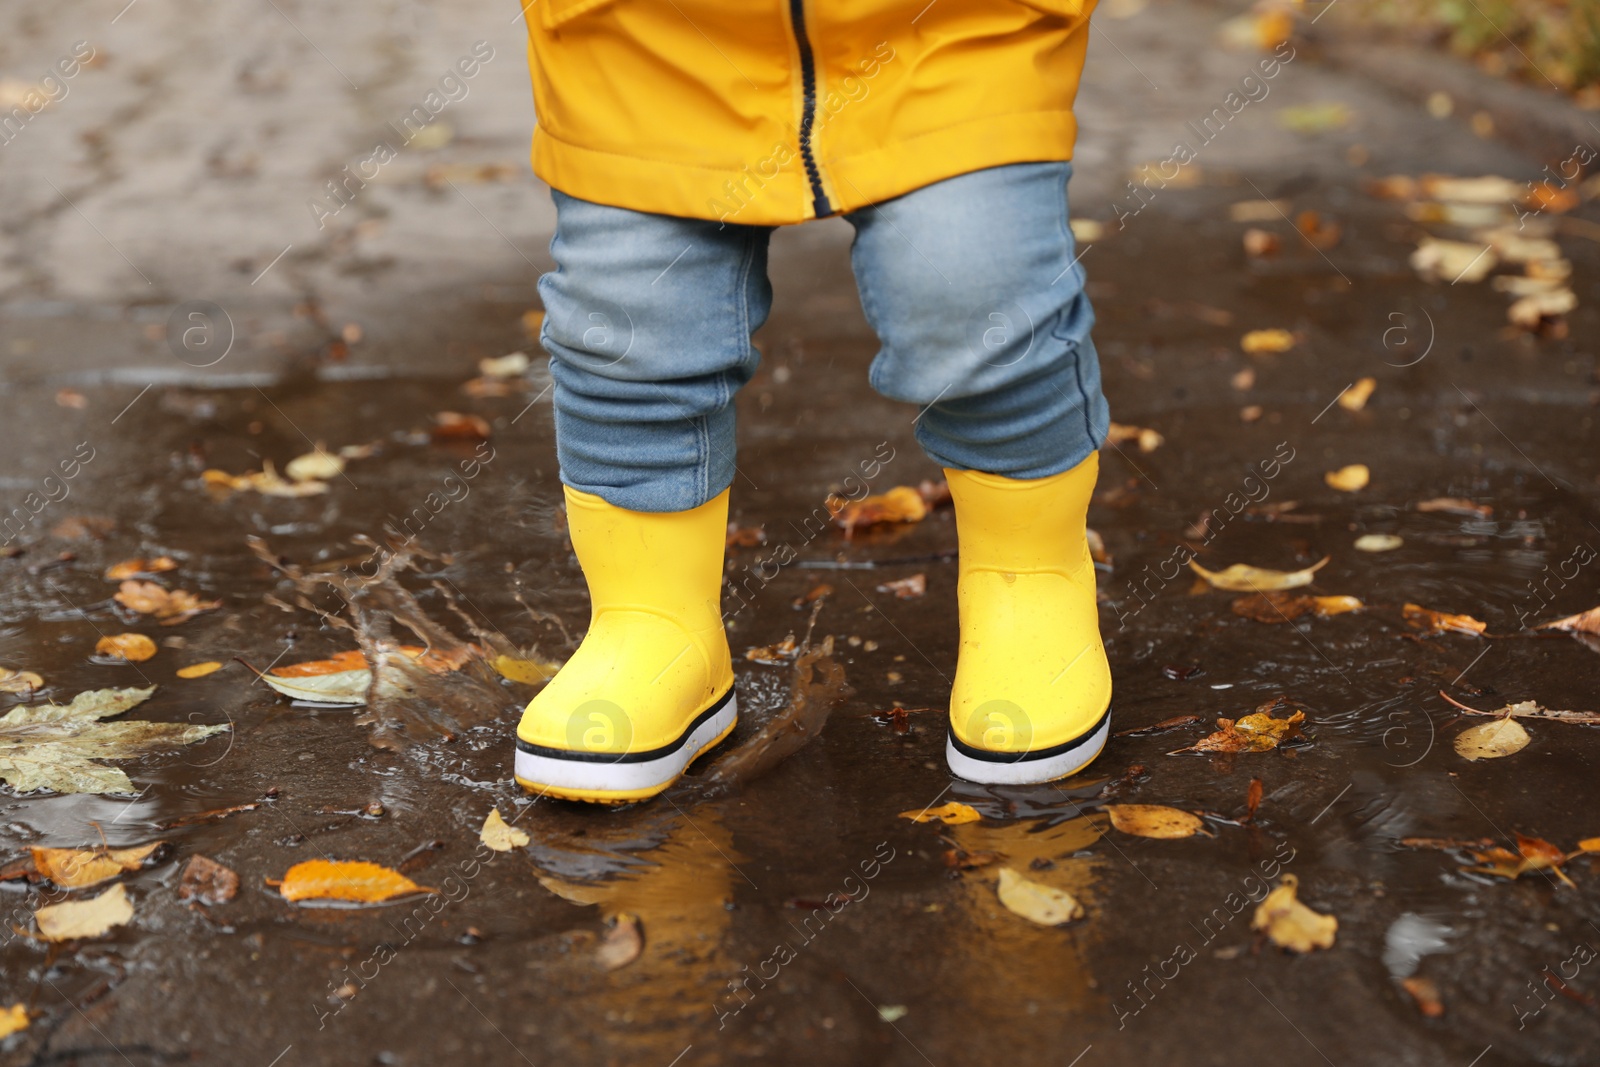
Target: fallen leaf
{"points": [[1252, 800], [621, 944], [355, 880], [1438, 622], [1274, 607], [1589, 844], [900, 504], [1437, 260], [1587, 622], [951, 814], [74, 868], [1527, 709], [1153, 820], [19, 681], [1160, 727], [1319, 233], [1259, 243], [1035, 901], [1243, 578], [132, 648], [317, 465], [1256, 732], [78, 919], [1552, 197], [344, 678], [526, 671], [774, 655], [199, 670], [1087, 230], [52, 746], [1378, 542], [533, 323], [1489, 189], [1455, 505], [1355, 398], [1259, 342], [1348, 479], [266, 482], [1533, 854], [500, 835], [454, 426], [168, 606], [892, 1013], [745, 536], [1425, 993], [205, 881], [13, 1020], [1491, 740], [514, 365], [906, 588], [1289, 923], [133, 568], [1533, 309], [1147, 439]]}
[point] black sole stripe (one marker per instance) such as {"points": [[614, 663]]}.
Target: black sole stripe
{"points": [[987, 756], [629, 757]]}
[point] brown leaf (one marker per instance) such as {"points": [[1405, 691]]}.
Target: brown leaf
{"points": [[205, 881], [133, 568], [355, 880], [746, 536], [1160, 727], [168, 606], [1528, 709], [1587, 622], [774, 655], [1425, 993], [621, 944], [1277, 606], [900, 504], [454, 426], [1438, 622], [132, 648], [1256, 732], [1252, 800], [1455, 505]]}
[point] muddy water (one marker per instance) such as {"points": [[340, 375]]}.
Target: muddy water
{"points": [[789, 916]]}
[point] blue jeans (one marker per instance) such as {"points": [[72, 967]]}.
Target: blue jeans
{"points": [[972, 285]]}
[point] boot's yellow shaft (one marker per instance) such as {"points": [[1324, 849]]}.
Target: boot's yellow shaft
{"points": [[1033, 686], [651, 684]]}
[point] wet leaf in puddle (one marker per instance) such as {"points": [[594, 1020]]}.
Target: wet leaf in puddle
{"points": [[952, 814], [1587, 622], [513, 365], [1437, 260], [1532, 854], [205, 881], [1454, 505], [13, 1020], [131, 648], [906, 588], [199, 670], [1528, 709], [52, 746], [1261, 342], [1589, 844], [1348, 479], [1256, 732], [526, 671], [1153, 820], [745, 536], [1243, 578], [19, 681], [1160, 727], [167, 606], [500, 835], [774, 655], [898, 505], [354, 880], [1148, 440], [1378, 542], [134, 568], [1355, 398], [74, 868], [346, 677], [1289, 923], [1492, 740], [318, 465], [1035, 901], [1425, 993], [1285, 607], [454, 426], [77, 919], [267, 481], [621, 944], [1439, 622]]}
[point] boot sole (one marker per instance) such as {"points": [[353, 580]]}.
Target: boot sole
{"points": [[618, 778], [1027, 768]]}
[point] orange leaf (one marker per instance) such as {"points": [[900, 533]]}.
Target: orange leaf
{"points": [[1438, 622], [356, 880], [900, 504], [132, 568], [353, 660], [134, 648], [170, 606]]}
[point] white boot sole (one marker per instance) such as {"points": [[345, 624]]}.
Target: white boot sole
{"points": [[541, 769], [1008, 768]]}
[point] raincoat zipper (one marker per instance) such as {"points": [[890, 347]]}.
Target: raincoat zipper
{"points": [[808, 111]]}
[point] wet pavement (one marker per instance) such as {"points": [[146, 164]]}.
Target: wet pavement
{"points": [[788, 914]]}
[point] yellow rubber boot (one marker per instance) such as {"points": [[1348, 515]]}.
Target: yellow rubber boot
{"points": [[651, 685], [1032, 695]]}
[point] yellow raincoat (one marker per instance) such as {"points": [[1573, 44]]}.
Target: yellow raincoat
{"points": [[774, 111]]}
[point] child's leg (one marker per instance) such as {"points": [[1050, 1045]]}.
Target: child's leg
{"points": [[648, 321], [973, 287]]}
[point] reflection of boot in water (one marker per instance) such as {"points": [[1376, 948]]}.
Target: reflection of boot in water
{"points": [[650, 1010], [1006, 968]]}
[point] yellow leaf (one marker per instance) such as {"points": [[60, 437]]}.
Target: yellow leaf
{"points": [[85, 918], [1035, 901], [1355, 398], [1491, 740], [19, 681], [134, 648], [356, 880], [1336, 605], [199, 670], [1243, 578], [318, 465], [1257, 342], [951, 814], [13, 1020], [1147, 440], [1379, 542], [500, 835], [621, 944], [1589, 844], [527, 671], [1349, 479], [1153, 820], [1289, 923], [74, 868]]}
